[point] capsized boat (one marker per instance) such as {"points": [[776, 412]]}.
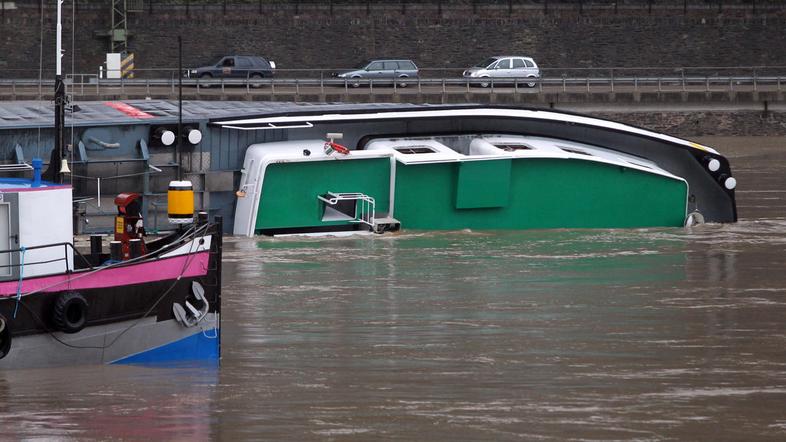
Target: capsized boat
{"points": [[475, 167], [139, 303]]}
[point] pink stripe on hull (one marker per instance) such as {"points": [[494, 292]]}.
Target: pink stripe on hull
{"points": [[159, 270]]}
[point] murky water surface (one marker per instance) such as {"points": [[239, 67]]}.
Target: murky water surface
{"points": [[653, 334]]}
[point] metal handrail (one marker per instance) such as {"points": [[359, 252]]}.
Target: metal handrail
{"points": [[569, 81], [65, 246], [299, 81]]}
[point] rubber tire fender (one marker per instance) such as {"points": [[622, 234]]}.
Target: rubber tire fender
{"points": [[70, 314], [5, 337]]}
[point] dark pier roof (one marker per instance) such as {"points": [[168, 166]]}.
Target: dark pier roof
{"points": [[33, 114]]}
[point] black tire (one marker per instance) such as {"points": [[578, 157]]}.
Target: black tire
{"points": [[402, 80], [254, 79], [531, 84], [485, 82], [5, 337], [355, 81], [204, 77], [70, 315]]}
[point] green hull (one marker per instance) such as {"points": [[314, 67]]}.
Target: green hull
{"points": [[290, 190], [530, 193]]}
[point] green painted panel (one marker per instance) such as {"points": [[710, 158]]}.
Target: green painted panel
{"points": [[483, 183], [544, 193], [290, 190]]}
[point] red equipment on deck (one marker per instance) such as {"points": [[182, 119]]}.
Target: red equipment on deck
{"points": [[128, 222]]}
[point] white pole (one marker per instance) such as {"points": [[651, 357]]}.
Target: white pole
{"points": [[59, 37]]}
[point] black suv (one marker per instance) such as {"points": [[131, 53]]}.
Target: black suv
{"points": [[236, 66]]}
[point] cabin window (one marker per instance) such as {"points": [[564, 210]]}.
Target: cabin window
{"points": [[574, 150], [409, 150], [5, 239], [509, 147]]}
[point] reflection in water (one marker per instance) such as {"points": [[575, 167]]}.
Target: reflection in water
{"points": [[100, 402], [567, 334]]}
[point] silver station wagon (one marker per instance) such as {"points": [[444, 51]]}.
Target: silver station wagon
{"points": [[507, 67], [382, 69]]}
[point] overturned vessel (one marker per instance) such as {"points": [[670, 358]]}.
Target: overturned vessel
{"points": [[266, 168], [476, 167]]}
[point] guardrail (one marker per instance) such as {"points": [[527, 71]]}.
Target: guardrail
{"points": [[164, 83]]}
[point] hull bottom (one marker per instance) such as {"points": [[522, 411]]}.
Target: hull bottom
{"points": [[146, 341]]}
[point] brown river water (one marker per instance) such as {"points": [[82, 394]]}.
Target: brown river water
{"points": [[653, 334]]}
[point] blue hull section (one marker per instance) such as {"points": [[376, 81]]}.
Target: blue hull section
{"points": [[199, 346]]}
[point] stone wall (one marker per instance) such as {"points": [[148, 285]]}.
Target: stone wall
{"points": [[705, 123], [436, 34]]}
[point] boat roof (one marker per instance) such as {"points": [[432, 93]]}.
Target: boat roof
{"points": [[34, 114], [22, 184], [252, 114]]}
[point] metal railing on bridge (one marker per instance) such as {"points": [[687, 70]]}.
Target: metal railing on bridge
{"points": [[287, 82]]}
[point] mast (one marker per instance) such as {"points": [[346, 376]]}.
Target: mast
{"points": [[60, 101], [179, 146]]}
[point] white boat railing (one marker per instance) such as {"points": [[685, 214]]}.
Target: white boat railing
{"points": [[365, 207], [15, 167]]}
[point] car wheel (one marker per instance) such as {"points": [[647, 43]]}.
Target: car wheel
{"points": [[485, 83], [204, 80], [355, 81], [254, 79], [532, 83]]}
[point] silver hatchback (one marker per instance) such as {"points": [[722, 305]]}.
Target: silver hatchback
{"points": [[382, 69], [508, 67]]}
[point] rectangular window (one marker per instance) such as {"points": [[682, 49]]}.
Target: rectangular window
{"points": [[574, 150], [391, 66], [5, 239], [410, 150], [508, 147], [518, 63]]}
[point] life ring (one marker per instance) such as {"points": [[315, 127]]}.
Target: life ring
{"points": [[70, 313], [5, 337]]}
